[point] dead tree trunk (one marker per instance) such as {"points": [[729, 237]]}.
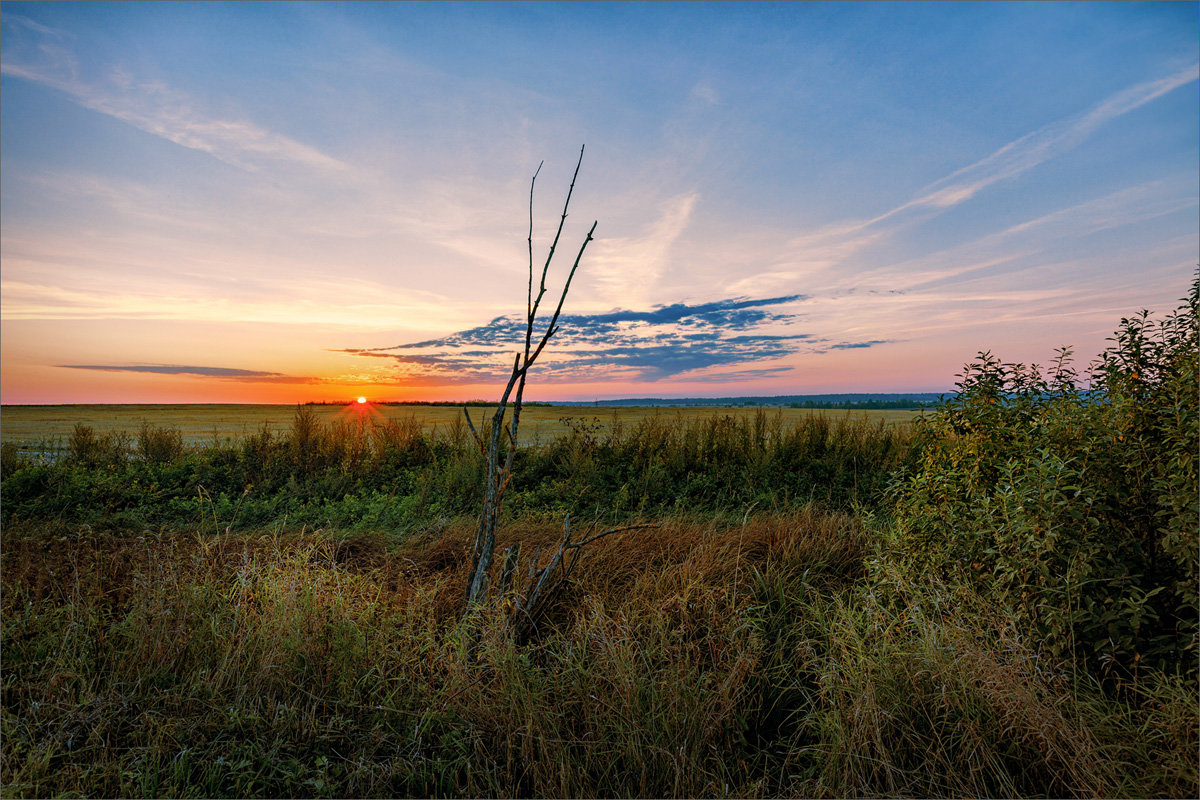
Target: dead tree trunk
{"points": [[501, 444]]}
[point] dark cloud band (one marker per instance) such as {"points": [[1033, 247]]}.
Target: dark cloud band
{"points": [[228, 373], [617, 345]]}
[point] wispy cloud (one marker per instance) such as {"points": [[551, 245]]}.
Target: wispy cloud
{"points": [[828, 258], [356, 304], [226, 373], [829, 250], [1040, 145], [858, 345], [25, 22], [628, 267], [43, 55], [1026, 246], [653, 345], [1127, 206]]}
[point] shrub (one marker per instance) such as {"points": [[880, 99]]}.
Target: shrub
{"points": [[10, 458], [159, 445], [1075, 509], [87, 449]]}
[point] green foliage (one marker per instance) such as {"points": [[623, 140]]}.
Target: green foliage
{"points": [[718, 463], [1075, 510], [10, 458], [324, 474], [159, 445], [88, 450]]}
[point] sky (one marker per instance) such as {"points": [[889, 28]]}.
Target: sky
{"points": [[284, 202]]}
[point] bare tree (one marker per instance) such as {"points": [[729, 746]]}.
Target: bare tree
{"points": [[501, 446], [500, 449]]}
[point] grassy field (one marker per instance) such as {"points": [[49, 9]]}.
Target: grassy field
{"points": [[998, 600], [751, 659], [27, 425]]}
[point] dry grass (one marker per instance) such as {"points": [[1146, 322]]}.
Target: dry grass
{"points": [[736, 659], [115, 646]]}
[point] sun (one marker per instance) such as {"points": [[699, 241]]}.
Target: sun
{"points": [[362, 400]]}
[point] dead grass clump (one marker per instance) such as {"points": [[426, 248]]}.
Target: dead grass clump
{"points": [[908, 704]]}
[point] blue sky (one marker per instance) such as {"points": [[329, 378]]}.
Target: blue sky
{"points": [[251, 201]]}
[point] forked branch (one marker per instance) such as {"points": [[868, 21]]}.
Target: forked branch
{"points": [[499, 454]]}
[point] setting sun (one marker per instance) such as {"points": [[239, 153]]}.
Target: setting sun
{"points": [[362, 400]]}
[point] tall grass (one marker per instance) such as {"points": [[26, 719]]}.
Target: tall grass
{"points": [[397, 475], [744, 659]]}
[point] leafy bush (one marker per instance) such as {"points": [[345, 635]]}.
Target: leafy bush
{"points": [[87, 449], [10, 458], [1075, 509], [159, 445]]}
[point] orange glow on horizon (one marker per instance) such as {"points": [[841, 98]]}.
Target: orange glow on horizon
{"points": [[362, 400], [23, 383]]}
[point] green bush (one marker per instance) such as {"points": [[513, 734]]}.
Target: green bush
{"points": [[10, 458], [159, 445], [1075, 509], [88, 450]]}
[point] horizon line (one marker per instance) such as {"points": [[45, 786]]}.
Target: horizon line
{"points": [[480, 401]]}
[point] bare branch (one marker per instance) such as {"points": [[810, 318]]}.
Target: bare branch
{"points": [[518, 372], [499, 470], [541, 583], [585, 542], [558, 310], [529, 293], [475, 433], [511, 554], [558, 233], [533, 563]]}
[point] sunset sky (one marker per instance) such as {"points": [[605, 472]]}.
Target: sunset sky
{"points": [[285, 202]]}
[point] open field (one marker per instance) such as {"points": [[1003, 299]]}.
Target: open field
{"points": [[199, 424], [999, 601]]}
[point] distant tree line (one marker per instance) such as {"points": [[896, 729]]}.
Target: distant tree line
{"points": [[453, 403], [904, 403]]}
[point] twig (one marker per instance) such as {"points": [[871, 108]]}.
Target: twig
{"points": [[615, 530], [471, 425]]}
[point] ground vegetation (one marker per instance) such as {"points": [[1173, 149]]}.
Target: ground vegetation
{"points": [[999, 601]]}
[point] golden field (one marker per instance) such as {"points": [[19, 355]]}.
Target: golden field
{"points": [[201, 423]]}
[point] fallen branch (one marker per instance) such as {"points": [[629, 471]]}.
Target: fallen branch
{"points": [[542, 584]]}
